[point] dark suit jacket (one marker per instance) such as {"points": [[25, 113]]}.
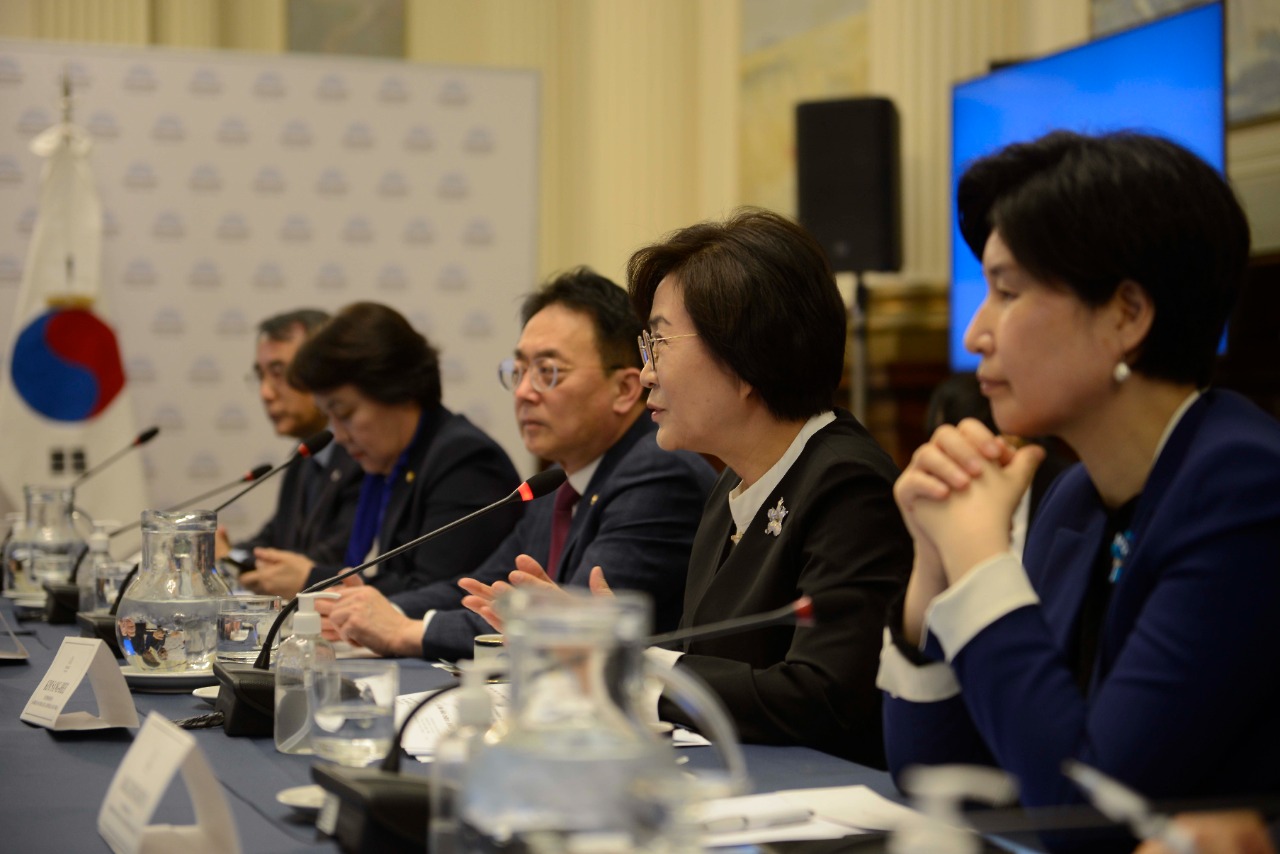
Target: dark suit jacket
{"points": [[636, 520], [453, 469], [842, 543], [314, 509], [1185, 694]]}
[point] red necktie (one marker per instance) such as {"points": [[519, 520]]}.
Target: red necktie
{"points": [[561, 517]]}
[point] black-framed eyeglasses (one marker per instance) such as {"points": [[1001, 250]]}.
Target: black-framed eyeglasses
{"points": [[648, 345]]}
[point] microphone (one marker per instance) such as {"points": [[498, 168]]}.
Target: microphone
{"points": [[141, 439], [68, 596], [249, 476], [308, 448], [63, 598], [542, 483], [102, 626], [802, 612], [246, 695], [377, 808]]}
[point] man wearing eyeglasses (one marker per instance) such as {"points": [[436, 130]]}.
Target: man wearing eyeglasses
{"points": [[317, 500], [627, 506]]}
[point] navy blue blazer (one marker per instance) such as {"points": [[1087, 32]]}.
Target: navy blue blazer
{"points": [[1185, 693], [454, 468], [314, 509], [636, 519]]}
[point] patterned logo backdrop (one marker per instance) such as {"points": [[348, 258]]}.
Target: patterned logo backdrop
{"points": [[236, 186]]}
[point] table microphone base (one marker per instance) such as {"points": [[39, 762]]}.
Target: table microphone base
{"points": [[62, 603], [247, 699], [102, 627], [368, 810]]}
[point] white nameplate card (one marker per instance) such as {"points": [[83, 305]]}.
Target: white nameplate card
{"points": [[75, 658], [160, 751]]}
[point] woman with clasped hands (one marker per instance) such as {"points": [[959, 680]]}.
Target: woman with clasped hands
{"points": [[1138, 633]]}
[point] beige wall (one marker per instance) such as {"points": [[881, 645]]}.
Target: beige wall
{"points": [[654, 118], [639, 110], [639, 99]]}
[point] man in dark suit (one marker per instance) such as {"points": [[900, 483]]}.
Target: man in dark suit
{"points": [[318, 496], [575, 377]]}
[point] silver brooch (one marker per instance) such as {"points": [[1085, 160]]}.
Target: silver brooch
{"points": [[776, 515]]}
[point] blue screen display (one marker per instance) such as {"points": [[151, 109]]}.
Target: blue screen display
{"points": [[1165, 78]]}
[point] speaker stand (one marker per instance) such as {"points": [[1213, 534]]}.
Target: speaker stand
{"points": [[858, 370]]}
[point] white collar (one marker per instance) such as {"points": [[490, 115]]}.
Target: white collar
{"points": [[324, 455], [581, 478], [1173, 423], [744, 504]]}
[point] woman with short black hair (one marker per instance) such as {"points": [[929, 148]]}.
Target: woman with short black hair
{"points": [[1137, 634], [378, 380], [743, 350]]}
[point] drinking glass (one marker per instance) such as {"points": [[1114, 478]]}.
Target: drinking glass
{"points": [[243, 623], [353, 703]]}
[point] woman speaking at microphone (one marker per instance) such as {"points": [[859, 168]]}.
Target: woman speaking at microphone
{"points": [[1137, 633], [742, 356], [378, 381]]}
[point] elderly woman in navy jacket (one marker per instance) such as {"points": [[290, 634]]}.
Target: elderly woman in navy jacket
{"points": [[378, 381]]}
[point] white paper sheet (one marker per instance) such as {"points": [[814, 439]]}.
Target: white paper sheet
{"points": [[836, 811]]}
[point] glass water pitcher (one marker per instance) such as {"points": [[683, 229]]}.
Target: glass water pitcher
{"points": [[167, 617]]}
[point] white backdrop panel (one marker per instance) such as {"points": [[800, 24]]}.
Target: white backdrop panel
{"points": [[239, 185]]}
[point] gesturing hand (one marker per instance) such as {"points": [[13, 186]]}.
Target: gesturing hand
{"points": [[528, 573]]}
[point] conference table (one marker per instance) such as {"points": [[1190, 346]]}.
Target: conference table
{"points": [[53, 784]]}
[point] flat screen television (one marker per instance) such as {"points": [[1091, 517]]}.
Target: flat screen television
{"points": [[1166, 77]]}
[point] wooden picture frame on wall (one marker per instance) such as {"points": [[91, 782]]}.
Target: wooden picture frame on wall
{"points": [[1253, 48]]}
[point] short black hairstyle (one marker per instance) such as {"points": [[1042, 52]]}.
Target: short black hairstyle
{"points": [[763, 299], [372, 347], [1089, 212], [605, 302], [280, 327]]}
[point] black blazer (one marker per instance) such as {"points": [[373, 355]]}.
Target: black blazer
{"points": [[314, 509], [843, 543], [454, 468]]}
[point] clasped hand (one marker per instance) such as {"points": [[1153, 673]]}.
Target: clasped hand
{"points": [[958, 496]]}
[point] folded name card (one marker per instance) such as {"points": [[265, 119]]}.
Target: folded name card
{"points": [[76, 658], [160, 752]]}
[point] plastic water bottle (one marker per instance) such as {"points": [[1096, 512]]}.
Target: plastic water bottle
{"points": [[295, 671], [97, 568], [453, 753]]}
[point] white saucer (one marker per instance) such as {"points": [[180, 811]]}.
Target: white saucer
{"points": [[162, 682], [27, 599], [208, 693], [305, 800]]}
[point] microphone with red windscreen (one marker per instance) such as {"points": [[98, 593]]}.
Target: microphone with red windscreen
{"points": [[141, 439], [802, 612], [246, 696]]}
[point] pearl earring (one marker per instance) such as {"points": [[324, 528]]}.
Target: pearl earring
{"points": [[1121, 372]]}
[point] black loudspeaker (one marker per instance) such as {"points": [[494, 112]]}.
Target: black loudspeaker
{"points": [[847, 166]]}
